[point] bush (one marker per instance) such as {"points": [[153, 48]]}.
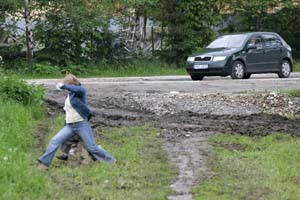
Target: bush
{"points": [[76, 69], [17, 90], [10, 52], [46, 69]]}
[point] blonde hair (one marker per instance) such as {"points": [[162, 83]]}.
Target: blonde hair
{"points": [[70, 79]]}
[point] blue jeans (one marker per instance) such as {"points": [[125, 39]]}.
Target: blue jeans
{"points": [[84, 130]]}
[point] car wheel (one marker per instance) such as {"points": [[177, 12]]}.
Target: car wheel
{"points": [[247, 76], [197, 77], [285, 69], [237, 70]]}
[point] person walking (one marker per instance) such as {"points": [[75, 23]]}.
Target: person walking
{"points": [[77, 115]]}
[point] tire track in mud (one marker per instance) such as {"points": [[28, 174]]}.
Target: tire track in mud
{"points": [[184, 133]]}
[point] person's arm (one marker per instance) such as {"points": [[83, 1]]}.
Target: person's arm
{"points": [[73, 88]]}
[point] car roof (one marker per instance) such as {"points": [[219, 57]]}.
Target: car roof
{"points": [[251, 33]]}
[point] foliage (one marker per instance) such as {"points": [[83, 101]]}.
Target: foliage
{"points": [[77, 69], [46, 69], [253, 168], [296, 65], [134, 67], [19, 179], [287, 23], [187, 28], [13, 89], [77, 32], [73, 31], [10, 53], [294, 93]]}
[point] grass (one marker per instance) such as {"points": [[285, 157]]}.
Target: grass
{"points": [[296, 66], [120, 69], [137, 68], [293, 93], [253, 168], [19, 179], [141, 171]]}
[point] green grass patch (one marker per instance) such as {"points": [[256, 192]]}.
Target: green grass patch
{"points": [[293, 93], [253, 168], [19, 178], [296, 66], [141, 171], [131, 68]]}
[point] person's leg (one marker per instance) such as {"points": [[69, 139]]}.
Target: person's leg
{"points": [[65, 133], [84, 130], [66, 147]]}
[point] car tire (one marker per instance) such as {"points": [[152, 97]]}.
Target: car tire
{"points": [[237, 70], [197, 77], [247, 76], [285, 69]]}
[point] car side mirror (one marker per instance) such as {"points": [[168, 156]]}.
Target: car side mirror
{"points": [[251, 46]]}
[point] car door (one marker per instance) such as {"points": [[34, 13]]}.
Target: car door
{"points": [[255, 57], [273, 51]]}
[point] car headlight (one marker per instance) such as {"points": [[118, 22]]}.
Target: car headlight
{"points": [[219, 58], [190, 59]]}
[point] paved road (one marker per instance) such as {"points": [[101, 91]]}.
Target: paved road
{"points": [[162, 84]]}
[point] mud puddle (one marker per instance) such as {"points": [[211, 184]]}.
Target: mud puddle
{"points": [[184, 126]]}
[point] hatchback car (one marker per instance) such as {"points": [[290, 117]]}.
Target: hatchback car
{"points": [[240, 55]]}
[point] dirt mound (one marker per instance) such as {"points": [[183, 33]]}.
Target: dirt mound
{"points": [[260, 124]]}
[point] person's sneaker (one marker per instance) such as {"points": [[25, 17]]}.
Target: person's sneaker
{"points": [[63, 157], [42, 167]]}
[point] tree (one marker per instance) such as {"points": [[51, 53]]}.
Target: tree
{"points": [[28, 30], [189, 26], [72, 31]]}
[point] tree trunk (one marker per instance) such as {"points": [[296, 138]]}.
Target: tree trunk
{"points": [[28, 25]]}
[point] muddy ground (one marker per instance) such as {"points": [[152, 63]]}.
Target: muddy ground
{"points": [[187, 120]]}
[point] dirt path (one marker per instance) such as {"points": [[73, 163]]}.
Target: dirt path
{"points": [[190, 154], [186, 121]]}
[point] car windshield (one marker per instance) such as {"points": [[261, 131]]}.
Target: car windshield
{"points": [[228, 41]]}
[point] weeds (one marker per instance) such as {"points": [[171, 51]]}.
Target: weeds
{"points": [[116, 69], [267, 168], [294, 93], [19, 179]]}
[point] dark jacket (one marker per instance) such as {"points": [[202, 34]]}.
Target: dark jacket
{"points": [[78, 101]]}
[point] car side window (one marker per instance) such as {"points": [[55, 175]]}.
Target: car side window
{"points": [[271, 41], [256, 41]]}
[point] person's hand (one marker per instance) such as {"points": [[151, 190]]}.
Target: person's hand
{"points": [[59, 85]]}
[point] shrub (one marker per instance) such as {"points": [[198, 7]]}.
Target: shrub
{"points": [[17, 90], [10, 52], [46, 69], [76, 69]]}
